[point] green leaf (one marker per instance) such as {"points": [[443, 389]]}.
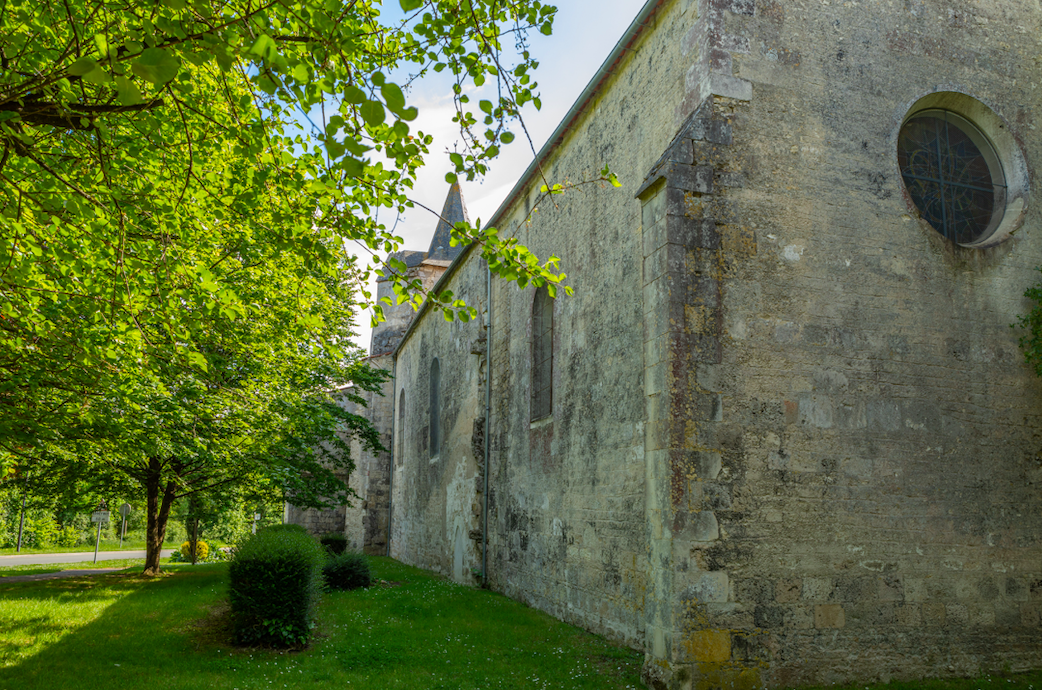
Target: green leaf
{"points": [[335, 148], [393, 97], [97, 76], [197, 360], [265, 47], [373, 113], [353, 95], [352, 167], [410, 5], [156, 65], [506, 137], [102, 43], [127, 91], [84, 65]]}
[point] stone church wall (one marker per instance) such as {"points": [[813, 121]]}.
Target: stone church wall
{"points": [[853, 466], [436, 515], [568, 527]]}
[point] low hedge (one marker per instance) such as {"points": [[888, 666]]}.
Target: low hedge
{"points": [[347, 571], [276, 577]]}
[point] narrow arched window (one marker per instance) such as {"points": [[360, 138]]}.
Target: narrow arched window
{"points": [[435, 409], [400, 445], [542, 354]]}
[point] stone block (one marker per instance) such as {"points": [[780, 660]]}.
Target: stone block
{"points": [[708, 587], [1016, 589], [708, 645], [800, 617], [788, 590], [693, 233], [956, 614], [818, 588], [706, 463], [914, 589], [769, 617], [654, 234], [682, 151], [719, 132], [690, 178], [829, 616], [909, 615], [655, 264], [653, 210], [700, 526], [891, 588], [816, 411]]}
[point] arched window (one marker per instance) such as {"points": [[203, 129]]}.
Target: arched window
{"points": [[400, 445], [542, 354], [435, 409]]}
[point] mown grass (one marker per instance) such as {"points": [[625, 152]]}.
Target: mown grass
{"points": [[414, 630]]}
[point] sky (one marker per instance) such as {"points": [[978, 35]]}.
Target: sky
{"points": [[585, 31]]}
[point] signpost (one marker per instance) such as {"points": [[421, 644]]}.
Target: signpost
{"points": [[124, 510], [100, 516]]}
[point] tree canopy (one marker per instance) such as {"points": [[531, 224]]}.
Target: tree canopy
{"points": [[178, 182], [155, 152]]}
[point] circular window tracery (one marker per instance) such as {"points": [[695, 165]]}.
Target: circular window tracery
{"points": [[953, 175]]}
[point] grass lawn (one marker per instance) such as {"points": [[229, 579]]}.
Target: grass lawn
{"points": [[419, 631]]}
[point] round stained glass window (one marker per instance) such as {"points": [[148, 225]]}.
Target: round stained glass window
{"points": [[952, 174]]}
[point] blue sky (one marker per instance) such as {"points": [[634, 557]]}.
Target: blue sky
{"points": [[585, 32]]}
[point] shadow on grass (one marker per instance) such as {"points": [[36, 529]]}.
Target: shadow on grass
{"points": [[138, 630]]}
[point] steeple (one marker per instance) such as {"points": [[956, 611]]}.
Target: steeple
{"points": [[452, 212]]}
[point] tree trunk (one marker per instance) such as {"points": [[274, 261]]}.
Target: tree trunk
{"points": [[159, 498]]}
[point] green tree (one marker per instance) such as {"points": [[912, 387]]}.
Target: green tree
{"points": [[153, 155]]}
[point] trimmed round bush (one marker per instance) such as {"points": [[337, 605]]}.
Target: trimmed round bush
{"points": [[347, 571], [336, 543], [276, 577], [202, 547]]}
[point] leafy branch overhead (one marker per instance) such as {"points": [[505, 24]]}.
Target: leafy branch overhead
{"points": [[155, 153]]}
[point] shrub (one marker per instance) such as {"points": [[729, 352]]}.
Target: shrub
{"points": [[202, 550], [68, 536], [336, 543], [275, 581], [347, 571]]}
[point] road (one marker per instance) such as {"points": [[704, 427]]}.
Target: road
{"points": [[78, 557]]}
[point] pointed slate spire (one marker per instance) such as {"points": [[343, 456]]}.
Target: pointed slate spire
{"points": [[453, 212]]}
